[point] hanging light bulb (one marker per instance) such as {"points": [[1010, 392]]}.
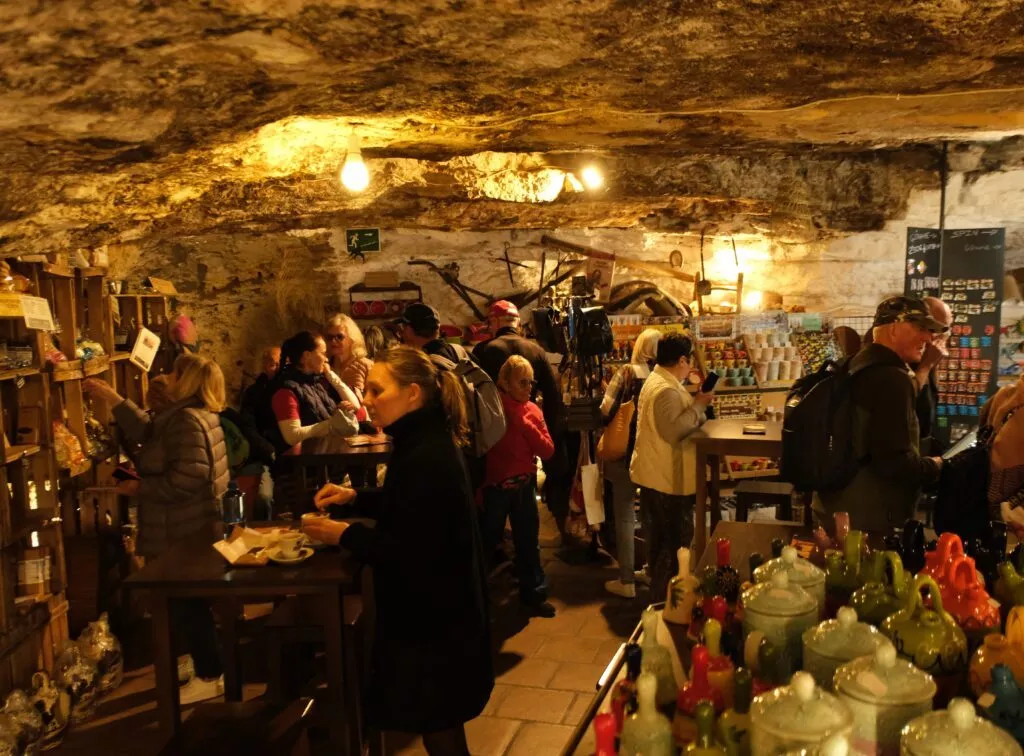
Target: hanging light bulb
{"points": [[354, 174], [592, 177]]}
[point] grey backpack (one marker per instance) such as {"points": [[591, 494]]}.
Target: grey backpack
{"points": [[486, 413]]}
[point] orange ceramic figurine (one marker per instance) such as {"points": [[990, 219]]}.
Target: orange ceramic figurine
{"points": [[938, 562], [969, 603], [995, 649]]}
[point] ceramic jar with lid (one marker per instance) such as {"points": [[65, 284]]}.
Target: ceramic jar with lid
{"points": [[834, 745], [835, 642], [800, 571], [957, 731], [780, 611], [883, 693], [928, 637], [796, 716]]}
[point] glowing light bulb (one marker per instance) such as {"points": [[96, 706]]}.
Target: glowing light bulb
{"points": [[355, 176], [592, 177]]}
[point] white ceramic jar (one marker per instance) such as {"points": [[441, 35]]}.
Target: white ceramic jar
{"points": [[808, 576], [781, 611], [833, 643], [798, 715], [883, 693], [957, 731]]}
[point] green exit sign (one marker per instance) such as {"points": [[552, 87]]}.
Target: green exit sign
{"points": [[362, 240]]}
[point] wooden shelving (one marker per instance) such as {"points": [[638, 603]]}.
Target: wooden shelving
{"points": [[7, 375], [14, 453]]}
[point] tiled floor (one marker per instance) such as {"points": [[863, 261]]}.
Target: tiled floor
{"points": [[546, 672]]}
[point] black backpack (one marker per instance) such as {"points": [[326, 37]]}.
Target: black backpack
{"points": [[817, 430], [961, 506]]}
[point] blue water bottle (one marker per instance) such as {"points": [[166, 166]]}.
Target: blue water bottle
{"points": [[232, 508]]}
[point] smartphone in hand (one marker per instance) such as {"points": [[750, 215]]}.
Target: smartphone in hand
{"points": [[709, 383]]}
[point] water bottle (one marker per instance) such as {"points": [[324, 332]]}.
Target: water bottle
{"points": [[232, 508]]}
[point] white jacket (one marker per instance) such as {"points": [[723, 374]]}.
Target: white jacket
{"points": [[664, 458]]}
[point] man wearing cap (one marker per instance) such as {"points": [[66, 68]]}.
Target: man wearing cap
{"points": [[420, 327], [886, 433], [503, 318], [924, 373]]}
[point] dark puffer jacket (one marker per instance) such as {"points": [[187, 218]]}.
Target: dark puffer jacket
{"points": [[183, 466]]}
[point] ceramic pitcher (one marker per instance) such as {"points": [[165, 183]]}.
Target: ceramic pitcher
{"points": [[930, 638], [882, 595]]}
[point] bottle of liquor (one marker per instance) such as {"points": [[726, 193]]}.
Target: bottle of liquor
{"points": [[647, 732], [705, 745], [624, 693], [604, 734], [727, 578], [734, 724]]}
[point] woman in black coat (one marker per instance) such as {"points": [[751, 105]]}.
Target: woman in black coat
{"points": [[431, 669]]}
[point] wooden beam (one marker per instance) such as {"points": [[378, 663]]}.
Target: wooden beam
{"points": [[660, 269]]}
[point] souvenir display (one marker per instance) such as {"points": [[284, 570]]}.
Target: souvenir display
{"points": [[720, 667], [928, 637], [657, 661], [102, 647], [883, 693], [957, 731], [605, 732], [54, 705], [781, 612], [796, 716], [734, 724], [704, 744], [1003, 704], [938, 562], [80, 678], [29, 722], [1009, 587], [683, 590], [882, 595], [647, 732], [823, 543], [698, 689], [968, 601], [9, 737], [842, 571], [835, 642], [722, 579], [624, 693], [801, 572]]}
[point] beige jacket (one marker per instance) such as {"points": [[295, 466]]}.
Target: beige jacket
{"points": [[183, 467]]}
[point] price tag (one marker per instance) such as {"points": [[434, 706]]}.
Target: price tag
{"points": [[36, 312], [872, 683]]}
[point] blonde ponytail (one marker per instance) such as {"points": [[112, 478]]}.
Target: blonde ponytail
{"points": [[453, 400]]}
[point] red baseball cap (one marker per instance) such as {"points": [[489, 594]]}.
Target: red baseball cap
{"points": [[503, 309]]}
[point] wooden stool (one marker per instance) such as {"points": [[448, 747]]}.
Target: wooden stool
{"points": [[254, 728], [751, 492]]}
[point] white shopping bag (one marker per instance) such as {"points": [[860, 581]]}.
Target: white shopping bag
{"points": [[592, 484]]}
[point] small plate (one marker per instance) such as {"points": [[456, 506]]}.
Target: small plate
{"points": [[304, 553]]}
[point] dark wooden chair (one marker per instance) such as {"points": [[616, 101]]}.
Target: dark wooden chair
{"points": [[254, 728], [751, 493]]}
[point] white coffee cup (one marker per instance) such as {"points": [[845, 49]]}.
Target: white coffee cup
{"points": [[290, 544]]}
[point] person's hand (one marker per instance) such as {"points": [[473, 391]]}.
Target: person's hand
{"points": [[101, 389], [937, 461], [333, 494], [127, 488], [932, 355], [324, 529], [347, 406], [704, 398]]}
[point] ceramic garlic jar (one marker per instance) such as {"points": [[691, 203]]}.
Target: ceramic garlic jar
{"points": [[796, 716], [928, 637], [54, 704], [957, 731], [102, 647], [780, 611], [883, 693], [801, 572], [834, 642]]}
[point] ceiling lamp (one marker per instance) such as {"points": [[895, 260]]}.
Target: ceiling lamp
{"points": [[354, 174], [592, 177]]}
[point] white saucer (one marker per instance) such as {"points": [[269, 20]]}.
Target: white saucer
{"points": [[304, 553]]}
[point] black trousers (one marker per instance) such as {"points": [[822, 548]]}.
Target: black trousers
{"points": [[668, 526], [197, 634]]}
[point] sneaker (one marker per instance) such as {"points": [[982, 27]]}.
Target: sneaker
{"points": [[642, 577], [199, 689], [186, 670], [618, 588], [543, 609]]}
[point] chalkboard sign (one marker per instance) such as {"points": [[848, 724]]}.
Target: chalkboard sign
{"points": [[972, 286], [921, 278]]}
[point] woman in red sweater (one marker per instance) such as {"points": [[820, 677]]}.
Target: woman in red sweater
{"points": [[510, 486]]}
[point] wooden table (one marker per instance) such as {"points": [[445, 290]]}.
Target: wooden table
{"points": [[721, 438], [193, 569], [335, 450]]}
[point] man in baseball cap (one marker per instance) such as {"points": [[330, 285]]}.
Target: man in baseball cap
{"points": [[420, 327], [886, 433]]}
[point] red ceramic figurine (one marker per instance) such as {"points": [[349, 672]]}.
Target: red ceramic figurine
{"points": [[699, 688], [938, 562], [968, 602], [605, 733]]}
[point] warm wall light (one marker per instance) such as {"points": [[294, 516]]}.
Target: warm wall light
{"points": [[752, 301], [354, 174], [592, 177]]}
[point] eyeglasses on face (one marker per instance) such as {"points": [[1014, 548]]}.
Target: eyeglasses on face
{"points": [[335, 337], [526, 383]]}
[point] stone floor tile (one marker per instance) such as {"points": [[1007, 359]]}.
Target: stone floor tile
{"points": [[565, 623], [607, 650], [577, 709], [577, 649], [533, 672], [535, 739], [523, 643], [580, 677], [535, 704], [490, 736], [497, 696]]}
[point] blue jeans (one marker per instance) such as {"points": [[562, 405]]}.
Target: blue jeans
{"points": [[519, 505]]}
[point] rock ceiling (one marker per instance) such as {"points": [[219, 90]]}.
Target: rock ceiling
{"points": [[144, 120]]}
